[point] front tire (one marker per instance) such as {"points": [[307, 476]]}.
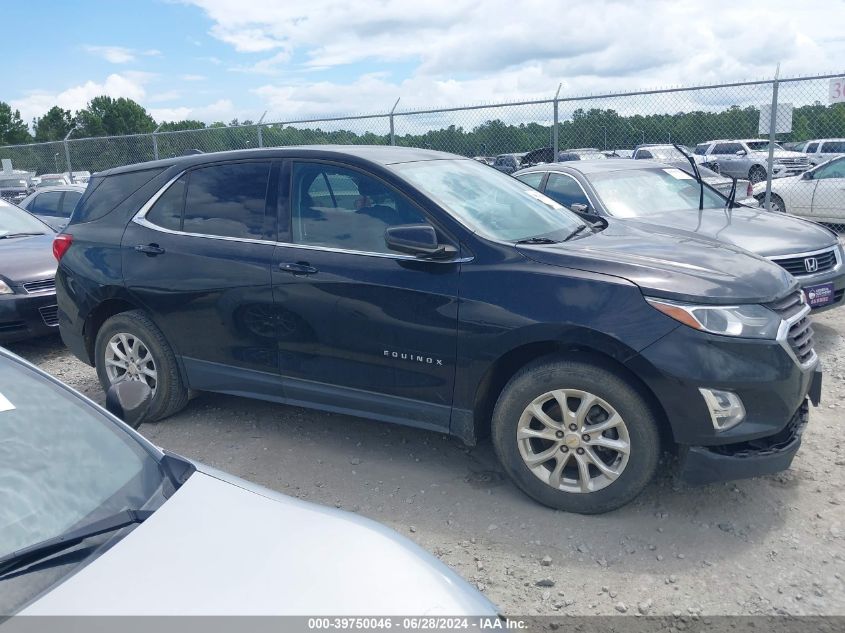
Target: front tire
{"points": [[129, 346], [757, 174], [576, 436]]}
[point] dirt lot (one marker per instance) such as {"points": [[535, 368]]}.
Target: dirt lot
{"points": [[772, 545]]}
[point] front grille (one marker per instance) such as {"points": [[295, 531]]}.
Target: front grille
{"points": [[799, 337], [793, 162], [801, 265], [42, 285], [50, 314]]}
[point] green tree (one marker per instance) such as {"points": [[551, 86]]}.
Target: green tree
{"points": [[105, 116], [54, 125], [12, 128], [177, 126]]}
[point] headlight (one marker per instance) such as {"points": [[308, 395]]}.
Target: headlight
{"points": [[4, 288], [748, 321]]}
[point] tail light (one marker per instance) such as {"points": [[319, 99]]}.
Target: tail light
{"points": [[749, 191], [61, 243]]}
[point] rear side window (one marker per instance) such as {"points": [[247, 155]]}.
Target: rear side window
{"points": [[833, 147], [167, 211], [228, 200], [47, 203], [532, 179], [104, 193]]}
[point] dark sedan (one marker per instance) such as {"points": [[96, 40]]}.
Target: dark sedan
{"points": [[658, 197], [27, 276]]}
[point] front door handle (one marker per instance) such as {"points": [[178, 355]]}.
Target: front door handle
{"points": [[298, 268], [150, 249]]}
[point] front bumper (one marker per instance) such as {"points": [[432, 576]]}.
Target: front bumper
{"points": [[24, 316], [765, 456]]}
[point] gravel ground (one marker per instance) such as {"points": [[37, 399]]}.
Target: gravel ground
{"points": [[772, 545]]}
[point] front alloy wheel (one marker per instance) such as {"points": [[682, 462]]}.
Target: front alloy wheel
{"points": [[573, 440]]}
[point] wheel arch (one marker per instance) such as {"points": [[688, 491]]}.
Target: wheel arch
{"points": [[602, 351]]}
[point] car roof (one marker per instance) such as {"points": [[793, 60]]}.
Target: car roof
{"points": [[69, 187], [380, 154], [598, 166]]}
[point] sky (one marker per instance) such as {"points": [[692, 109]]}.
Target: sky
{"points": [[215, 60]]}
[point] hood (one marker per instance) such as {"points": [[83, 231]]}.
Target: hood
{"points": [[228, 547], [761, 232], [670, 263], [24, 259]]}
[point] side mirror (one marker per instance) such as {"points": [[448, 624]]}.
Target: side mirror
{"points": [[581, 208], [807, 175], [416, 239], [129, 400]]}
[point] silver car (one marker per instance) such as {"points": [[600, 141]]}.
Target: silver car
{"points": [[53, 205], [749, 158], [822, 150], [95, 520]]}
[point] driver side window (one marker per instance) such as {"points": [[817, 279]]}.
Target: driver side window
{"points": [[341, 208]]}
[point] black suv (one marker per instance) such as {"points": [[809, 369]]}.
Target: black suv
{"points": [[422, 288]]}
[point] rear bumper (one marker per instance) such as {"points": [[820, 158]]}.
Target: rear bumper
{"points": [[24, 316], [764, 456]]}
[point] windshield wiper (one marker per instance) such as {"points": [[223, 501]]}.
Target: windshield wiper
{"points": [[537, 240], [9, 235], [697, 174], [35, 552], [581, 228]]}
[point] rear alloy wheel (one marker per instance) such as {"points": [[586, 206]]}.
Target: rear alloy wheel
{"points": [[576, 436], [129, 346]]}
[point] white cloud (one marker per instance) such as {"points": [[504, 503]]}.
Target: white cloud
{"points": [[220, 110], [127, 84], [119, 54], [671, 42]]}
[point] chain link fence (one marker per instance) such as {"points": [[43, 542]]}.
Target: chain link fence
{"points": [[613, 124]]}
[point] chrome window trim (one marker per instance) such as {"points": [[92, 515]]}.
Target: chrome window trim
{"points": [[836, 253], [577, 182], [140, 219], [782, 338]]}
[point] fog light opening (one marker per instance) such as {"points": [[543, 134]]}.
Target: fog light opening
{"points": [[726, 409]]}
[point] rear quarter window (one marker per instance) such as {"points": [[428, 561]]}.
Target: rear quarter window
{"points": [[104, 194]]}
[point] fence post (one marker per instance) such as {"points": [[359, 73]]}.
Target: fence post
{"points": [[555, 140], [155, 141], [258, 125], [772, 126], [392, 131], [67, 152]]}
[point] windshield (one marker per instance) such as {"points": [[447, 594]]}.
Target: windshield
{"points": [[15, 220], [633, 193], [665, 154], [488, 202], [760, 146], [62, 463], [50, 182], [13, 182]]}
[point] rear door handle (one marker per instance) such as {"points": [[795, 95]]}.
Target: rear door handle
{"points": [[298, 268], [150, 249]]}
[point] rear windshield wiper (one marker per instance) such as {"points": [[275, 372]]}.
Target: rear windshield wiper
{"points": [[9, 235], [40, 550], [537, 240]]}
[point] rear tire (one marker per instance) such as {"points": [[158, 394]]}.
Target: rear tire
{"points": [[129, 346], [554, 456]]}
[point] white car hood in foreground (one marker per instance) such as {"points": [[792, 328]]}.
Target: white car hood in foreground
{"points": [[231, 548]]}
